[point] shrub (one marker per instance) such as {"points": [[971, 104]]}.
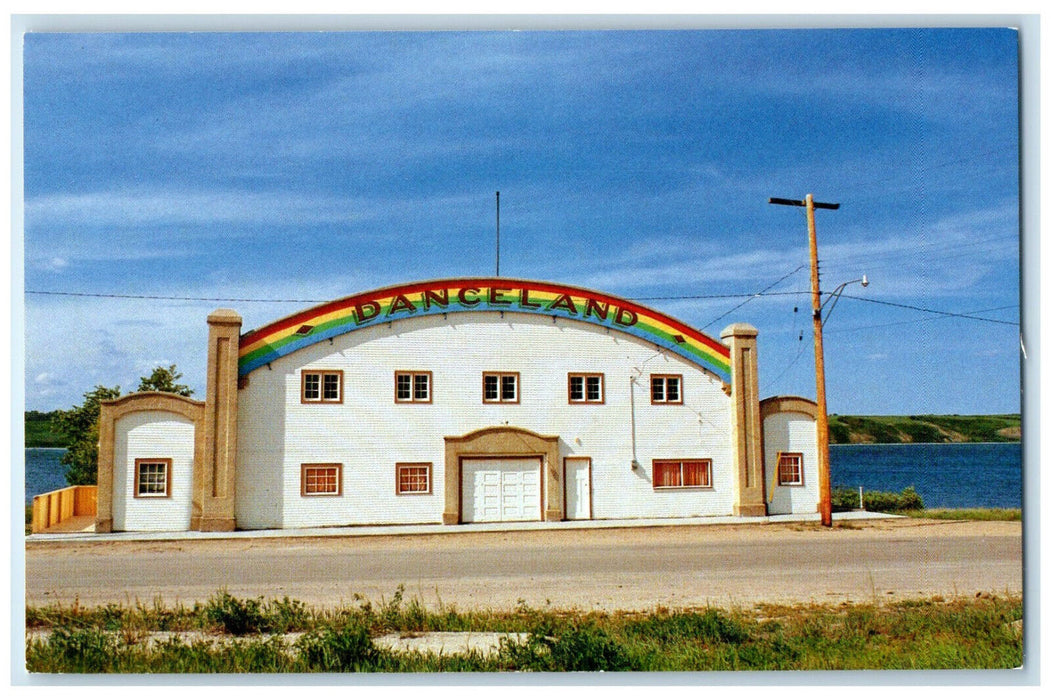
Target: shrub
{"points": [[878, 501], [882, 502], [286, 615], [844, 499], [345, 648], [580, 647], [69, 650], [235, 616]]}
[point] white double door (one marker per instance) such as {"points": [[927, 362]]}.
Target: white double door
{"points": [[504, 489]]}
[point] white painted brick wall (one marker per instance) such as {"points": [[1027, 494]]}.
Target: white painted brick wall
{"points": [[791, 432], [152, 435], [369, 433]]}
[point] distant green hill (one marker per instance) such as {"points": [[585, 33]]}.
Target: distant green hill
{"points": [[845, 430], [40, 432]]}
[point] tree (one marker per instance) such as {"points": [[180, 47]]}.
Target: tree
{"points": [[163, 379], [81, 423]]}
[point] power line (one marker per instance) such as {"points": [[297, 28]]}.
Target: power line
{"points": [[931, 311], [321, 301], [173, 298], [753, 297], [747, 298], [916, 320]]}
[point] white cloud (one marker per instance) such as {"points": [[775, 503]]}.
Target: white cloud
{"points": [[54, 264], [156, 207]]}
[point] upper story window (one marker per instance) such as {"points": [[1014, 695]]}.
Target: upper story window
{"points": [[682, 473], [586, 388], [412, 387], [153, 478], [789, 468], [322, 386], [500, 387], [665, 388]]}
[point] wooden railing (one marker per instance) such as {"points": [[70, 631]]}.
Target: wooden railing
{"points": [[50, 509]]}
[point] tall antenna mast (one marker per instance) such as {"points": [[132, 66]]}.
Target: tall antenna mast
{"points": [[498, 233]]}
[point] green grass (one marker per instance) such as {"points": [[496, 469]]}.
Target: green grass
{"points": [[975, 633], [967, 513]]}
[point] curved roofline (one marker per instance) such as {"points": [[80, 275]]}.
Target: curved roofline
{"points": [[788, 404], [459, 295]]}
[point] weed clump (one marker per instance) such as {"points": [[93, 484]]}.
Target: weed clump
{"points": [[578, 646], [235, 616], [341, 649], [678, 627]]}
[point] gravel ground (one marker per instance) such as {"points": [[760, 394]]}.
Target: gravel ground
{"points": [[622, 569]]}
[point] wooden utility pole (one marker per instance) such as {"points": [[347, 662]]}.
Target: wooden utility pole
{"points": [[824, 479]]}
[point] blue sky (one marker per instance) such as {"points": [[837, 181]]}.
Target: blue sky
{"points": [[310, 166]]}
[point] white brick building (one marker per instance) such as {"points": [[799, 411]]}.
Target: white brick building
{"points": [[455, 401]]}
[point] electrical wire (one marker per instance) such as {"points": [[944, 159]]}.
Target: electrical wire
{"points": [[782, 279], [927, 319], [931, 311]]}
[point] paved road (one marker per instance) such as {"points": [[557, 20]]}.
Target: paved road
{"points": [[632, 569]]}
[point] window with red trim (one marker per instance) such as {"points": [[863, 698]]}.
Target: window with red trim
{"points": [[586, 388], [322, 386], [412, 387], [153, 478], [789, 468], [321, 480], [665, 388], [500, 387], [414, 478], [682, 473]]}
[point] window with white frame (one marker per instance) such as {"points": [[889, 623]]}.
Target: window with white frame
{"points": [[412, 387], [500, 387], [586, 388], [682, 473], [153, 478], [666, 388], [322, 386], [789, 468]]}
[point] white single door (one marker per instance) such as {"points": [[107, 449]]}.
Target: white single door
{"points": [[501, 490], [578, 488]]}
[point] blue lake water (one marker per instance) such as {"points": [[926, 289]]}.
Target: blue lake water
{"points": [[987, 475], [984, 475], [43, 471]]}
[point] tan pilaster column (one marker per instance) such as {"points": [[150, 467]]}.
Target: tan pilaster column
{"points": [[214, 480], [104, 495], [749, 486]]}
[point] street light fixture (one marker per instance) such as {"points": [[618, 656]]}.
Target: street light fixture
{"points": [[824, 482], [834, 297]]}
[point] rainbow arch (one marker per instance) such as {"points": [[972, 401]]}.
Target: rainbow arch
{"points": [[285, 336]]}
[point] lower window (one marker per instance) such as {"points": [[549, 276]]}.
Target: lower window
{"points": [[153, 478], [789, 468], [414, 478], [321, 480], [682, 473]]}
